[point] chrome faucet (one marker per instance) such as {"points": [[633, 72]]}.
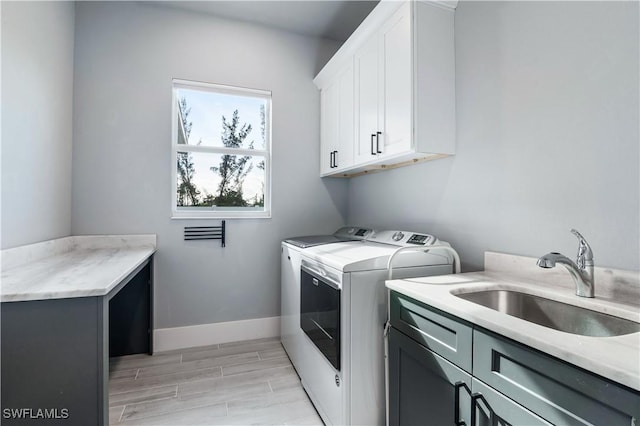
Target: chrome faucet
{"points": [[581, 270]]}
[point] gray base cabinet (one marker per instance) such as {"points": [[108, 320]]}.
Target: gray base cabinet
{"points": [[54, 354], [509, 384], [52, 360], [424, 387], [491, 408], [555, 390]]}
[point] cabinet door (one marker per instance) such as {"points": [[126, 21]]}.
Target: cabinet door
{"points": [[396, 82], [491, 408], [366, 109], [422, 386], [328, 126], [344, 147]]}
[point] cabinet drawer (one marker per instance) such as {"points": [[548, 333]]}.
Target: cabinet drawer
{"points": [[444, 335], [556, 391], [493, 408]]}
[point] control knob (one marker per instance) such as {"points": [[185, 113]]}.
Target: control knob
{"points": [[397, 236]]}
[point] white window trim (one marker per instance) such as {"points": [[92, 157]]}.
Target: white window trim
{"points": [[218, 212]]}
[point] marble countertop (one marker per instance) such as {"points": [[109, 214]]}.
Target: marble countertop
{"points": [[616, 358], [77, 266]]}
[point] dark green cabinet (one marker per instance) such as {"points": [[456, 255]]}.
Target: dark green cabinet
{"points": [[509, 384], [424, 388], [491, 408], [441, 333], [555, 390]]}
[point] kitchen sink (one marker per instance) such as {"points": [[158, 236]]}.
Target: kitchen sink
{"points": [[553, 314]]}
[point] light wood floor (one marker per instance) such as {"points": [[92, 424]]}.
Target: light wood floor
{"points": [[237, 383]]}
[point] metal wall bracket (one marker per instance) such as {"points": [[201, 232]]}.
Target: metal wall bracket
{"points": [[206, 233]]}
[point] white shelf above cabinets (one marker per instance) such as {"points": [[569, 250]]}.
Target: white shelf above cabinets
{"points": [[388, 94]]}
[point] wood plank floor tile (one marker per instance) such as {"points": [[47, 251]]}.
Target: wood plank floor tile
{"points": [[246, 406], [198, 364], [187, 350], [234, 380], [272, 353], [210, 415], [255, 366], [285, 382], [123, 374], [115, 414], [120, 385], [189, 401], [142, 395], [231, 350], [141, 361], [251, 342], [284, 413]]}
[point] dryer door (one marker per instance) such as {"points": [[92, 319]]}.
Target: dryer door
{"points": [[320, 314]]}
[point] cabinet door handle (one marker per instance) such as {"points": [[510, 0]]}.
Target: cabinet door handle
{"points": [[332, 159], [456, 404], [335, 159], [474, 408], [373, 152], [378, 134]]}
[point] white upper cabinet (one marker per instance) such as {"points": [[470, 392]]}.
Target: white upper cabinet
{"points": [[401, 61], [328, 127], [366, 104], [395, 77], [336, 122]]}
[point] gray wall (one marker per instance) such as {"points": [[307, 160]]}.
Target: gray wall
{"points": [[126, 56], [547, 138], [37, 87]]}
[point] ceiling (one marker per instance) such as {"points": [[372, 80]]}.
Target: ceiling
{"points": [[331, 19]]}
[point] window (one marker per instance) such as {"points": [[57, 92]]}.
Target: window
{"points": [[221, 151]]}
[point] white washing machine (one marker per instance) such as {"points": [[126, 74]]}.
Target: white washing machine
{"points": [[339, 351], [292, 337]]}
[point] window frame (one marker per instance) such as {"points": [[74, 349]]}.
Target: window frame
{"points": [[219, 212]]}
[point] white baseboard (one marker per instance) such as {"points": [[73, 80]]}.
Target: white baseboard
{"points": [[166, 339]]}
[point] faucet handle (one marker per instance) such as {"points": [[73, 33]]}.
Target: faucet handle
{"points": [[585, 254]]}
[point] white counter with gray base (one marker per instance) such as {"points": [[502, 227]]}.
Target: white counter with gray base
{"points": [[67, 305]]}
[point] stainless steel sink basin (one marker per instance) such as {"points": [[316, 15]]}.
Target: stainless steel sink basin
{"points": [[553, 314]]}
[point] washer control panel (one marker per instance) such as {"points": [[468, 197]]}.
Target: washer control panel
{"points": [[402, 238], [353, 232]]}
